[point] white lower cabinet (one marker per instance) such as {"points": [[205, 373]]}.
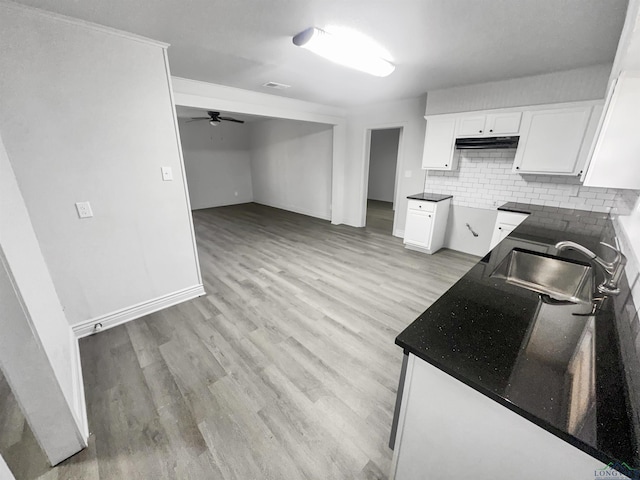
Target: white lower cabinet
{"points": [[426, 225], [447, 429], [505, 224]]}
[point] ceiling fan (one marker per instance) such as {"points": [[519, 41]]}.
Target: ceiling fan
{"points": [[215, 118]]}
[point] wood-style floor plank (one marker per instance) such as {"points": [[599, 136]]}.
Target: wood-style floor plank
{"points": [[286, 369]]}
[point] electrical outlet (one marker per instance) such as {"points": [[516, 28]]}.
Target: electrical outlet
{"points": [[84, 209]]}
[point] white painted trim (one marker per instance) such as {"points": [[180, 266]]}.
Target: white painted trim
{"points": [[124, 315], [83, 23], [197, 94], [364, 179], [80, 405], [293, 209], [523, 108], [183, 171], [398, 233]]}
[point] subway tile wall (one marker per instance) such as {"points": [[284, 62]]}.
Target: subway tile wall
{"points": [[484, 180]]}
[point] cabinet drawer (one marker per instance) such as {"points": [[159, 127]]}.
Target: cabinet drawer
{"points": [[422, 206]]}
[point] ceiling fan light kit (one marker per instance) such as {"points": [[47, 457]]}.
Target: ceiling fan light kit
{"points": [[345, 47]]}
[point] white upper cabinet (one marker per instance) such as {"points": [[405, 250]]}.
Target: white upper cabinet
{"points": [[439, 144], [553, 141], [615, 161], [503, 124], [489, 125], [471, 126]]}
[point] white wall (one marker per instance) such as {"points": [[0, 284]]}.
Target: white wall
{"points": [[589, 83], [408, 114], [38, 352], [291, 166], [87, 115], [217, 162], [383, 157]]}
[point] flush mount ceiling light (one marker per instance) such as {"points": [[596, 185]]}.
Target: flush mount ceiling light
{"points": [[346, 47]]}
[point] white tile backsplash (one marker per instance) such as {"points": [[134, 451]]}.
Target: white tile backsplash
{"points": [[484, 179]]}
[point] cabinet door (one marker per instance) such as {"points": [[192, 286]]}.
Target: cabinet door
{"points": [[471, 126], [439, 142], [505, 224], [417, 231], [614, 162], [551, 141], [503, 124]]}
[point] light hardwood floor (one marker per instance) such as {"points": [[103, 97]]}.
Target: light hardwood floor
{"points": [[287, 369], [379, 217]]}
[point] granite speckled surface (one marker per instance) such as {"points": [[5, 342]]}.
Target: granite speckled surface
{"points": [[429, 197], [556, 364]]}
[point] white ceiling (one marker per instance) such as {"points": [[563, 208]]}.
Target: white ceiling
{"points": [[434, 43]]}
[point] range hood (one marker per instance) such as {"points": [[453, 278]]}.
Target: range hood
{"points": [[486, 142]]}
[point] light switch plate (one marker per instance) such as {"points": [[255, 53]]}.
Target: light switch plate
{"points": [[84, 209], [167, 174]]}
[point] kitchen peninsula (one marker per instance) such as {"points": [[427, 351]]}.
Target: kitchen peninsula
{"points": [[502, 382]]}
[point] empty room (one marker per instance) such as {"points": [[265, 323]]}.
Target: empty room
{"points": [[319, 240]]}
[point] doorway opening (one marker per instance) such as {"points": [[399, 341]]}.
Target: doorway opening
{"points": [[382, 178]]}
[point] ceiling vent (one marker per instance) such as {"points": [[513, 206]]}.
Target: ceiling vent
{"points": [[279, 86]]}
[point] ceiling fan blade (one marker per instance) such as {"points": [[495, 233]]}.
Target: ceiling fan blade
{"points": [[229, 119], [198, 118]]}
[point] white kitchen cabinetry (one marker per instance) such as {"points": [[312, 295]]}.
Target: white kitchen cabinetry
{"points": [[555, 141], [426, 225], [615, 160], [506, 222], [489, 125], [471, 126], [439, 144], [446, 426]]}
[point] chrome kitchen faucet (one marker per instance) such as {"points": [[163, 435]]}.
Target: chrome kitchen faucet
{"points": [[613, 270]]}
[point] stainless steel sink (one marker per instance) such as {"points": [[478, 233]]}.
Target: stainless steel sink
{"points": [[559, 278]]}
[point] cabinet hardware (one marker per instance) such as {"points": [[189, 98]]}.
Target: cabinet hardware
{"points": [[517, 168], [446, 164], [491, 130], [479, 131], [499, 228]]}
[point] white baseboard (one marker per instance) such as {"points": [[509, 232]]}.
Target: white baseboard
{"points": [[119, 317], [398, 233]]}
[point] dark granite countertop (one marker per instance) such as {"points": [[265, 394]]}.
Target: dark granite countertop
{"points": [[429, 197], [511, 345]]}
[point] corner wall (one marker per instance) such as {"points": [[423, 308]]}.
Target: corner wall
{"points": [[291, 166], [406, 114], [217, 162], [87, 115]]}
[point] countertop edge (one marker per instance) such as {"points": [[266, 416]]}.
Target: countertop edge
{"points": [[445, 197]]}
